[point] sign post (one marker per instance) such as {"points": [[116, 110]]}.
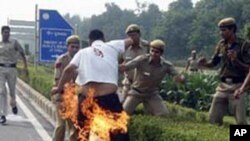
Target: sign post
{"points": [[53, 32]]}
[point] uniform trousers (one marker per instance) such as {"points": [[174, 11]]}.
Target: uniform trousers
{"points": [[224, 102], [9, 75], [152, 102]]}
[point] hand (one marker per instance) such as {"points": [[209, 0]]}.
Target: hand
{"points": [[122, 68], [179, 78], [232, 55], [55, 90], [238, 92], [202, 61]]}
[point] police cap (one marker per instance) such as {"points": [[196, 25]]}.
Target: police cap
{"points": [[226, 22], [133, 28], [158, 44], [73, 39]]}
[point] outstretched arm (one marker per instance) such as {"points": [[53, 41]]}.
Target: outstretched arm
{"points": [[67, 75]]}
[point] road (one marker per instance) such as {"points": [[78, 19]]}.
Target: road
{"points": [[27, 125]]}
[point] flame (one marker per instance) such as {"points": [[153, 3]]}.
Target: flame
{"points": [[99, 122]]}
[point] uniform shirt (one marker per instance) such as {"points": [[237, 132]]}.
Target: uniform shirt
{"points": [[147, 75], [133, 52], [229, 69], [10, 51], [193, 64], [98, 63], [61, 62]]}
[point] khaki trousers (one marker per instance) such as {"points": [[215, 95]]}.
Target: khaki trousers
{"points": [[224, 102], [62, 124], [9, 75], [152, 102]]}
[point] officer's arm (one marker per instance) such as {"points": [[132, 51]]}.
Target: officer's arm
{"points": [[131, 64], [215, 59], [67, 75], [21, 51], [178, 77], [128, 42], [245, 55], [241, 65]]}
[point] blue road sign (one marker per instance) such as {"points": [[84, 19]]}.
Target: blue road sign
{"points": [[54, 31]]}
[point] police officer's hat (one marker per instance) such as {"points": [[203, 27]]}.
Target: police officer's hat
{"points": [[133, 28], [226, 22], [73, 39], [158, 44]]}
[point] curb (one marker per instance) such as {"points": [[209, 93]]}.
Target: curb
{"points": [[40, 103]]}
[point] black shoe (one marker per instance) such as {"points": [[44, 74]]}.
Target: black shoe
{"points": [[14, 110], [3, 119]]}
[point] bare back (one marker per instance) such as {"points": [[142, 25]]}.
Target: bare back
{"points": [[101, 89]]}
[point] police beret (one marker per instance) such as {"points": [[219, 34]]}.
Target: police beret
{"points": [[158, 44], [133, 28], [73, 39], [226, 22]]}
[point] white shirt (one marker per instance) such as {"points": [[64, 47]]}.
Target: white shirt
{"points": [[99, 62]]}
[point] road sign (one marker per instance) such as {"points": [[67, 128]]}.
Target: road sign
{"points": [[54, 31]]}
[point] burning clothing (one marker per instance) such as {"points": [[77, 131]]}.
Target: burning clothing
{"points": [[110, 103]]}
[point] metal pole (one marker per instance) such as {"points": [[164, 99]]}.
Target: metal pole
{"points": [[36, 38]]}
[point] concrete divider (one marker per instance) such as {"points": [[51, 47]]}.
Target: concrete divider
{"points": [[40, 103]]}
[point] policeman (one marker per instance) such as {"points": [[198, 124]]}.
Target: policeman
{"points": [[150, 71], [139, 47], [192, 63], [10, 50], [73, 45], [234, 54]]}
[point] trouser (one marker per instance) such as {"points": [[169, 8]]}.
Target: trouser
{"points": [[9, 75], [61, 124], [108, 102], [224, 102], [153, 103]]}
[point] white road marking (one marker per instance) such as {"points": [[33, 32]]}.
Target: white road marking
{"points": [[38, 127], [17, 118]]}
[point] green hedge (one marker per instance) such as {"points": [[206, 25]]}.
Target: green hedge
{"points": [[183, 124], [40, 78]]}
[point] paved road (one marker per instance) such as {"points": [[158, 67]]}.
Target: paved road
{"points": [[27, 125]]}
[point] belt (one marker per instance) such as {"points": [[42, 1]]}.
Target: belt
{"points": [[8, 65], [232, 79]]}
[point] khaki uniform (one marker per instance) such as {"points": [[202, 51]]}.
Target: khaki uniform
{"points": [[130, 54], [9, 54], [60, 128], [231, 78], [145, 86], [193, 65]]}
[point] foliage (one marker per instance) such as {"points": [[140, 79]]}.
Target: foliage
{"points": [[183, 26], [41, 78], [183, 124], [195, 93]]}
